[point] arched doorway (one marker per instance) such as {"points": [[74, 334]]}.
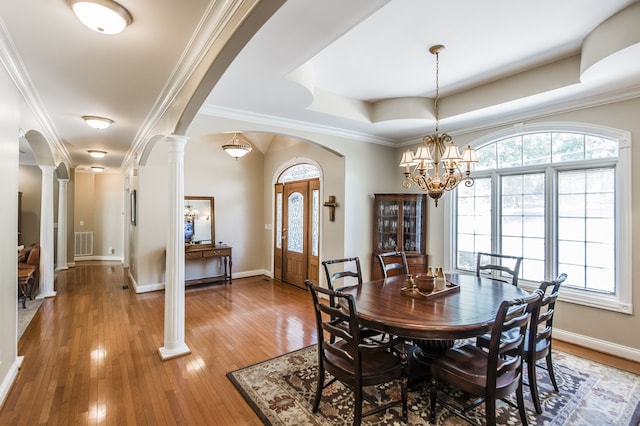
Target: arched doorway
{"points": [[297, 222]]}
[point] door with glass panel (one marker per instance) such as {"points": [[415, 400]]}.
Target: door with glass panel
{"points": [[296, 235]]}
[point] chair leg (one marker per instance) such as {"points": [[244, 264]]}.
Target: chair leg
{"points": [[405, 397], [319, 386], [533, 385], [357, 412], [433, 394], [520, 399], [490, 411], [552, 376]]}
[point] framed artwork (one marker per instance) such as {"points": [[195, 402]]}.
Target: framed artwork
{"points": [[133, 207]]}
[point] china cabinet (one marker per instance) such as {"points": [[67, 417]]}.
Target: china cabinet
{"points": [[400, 223]]}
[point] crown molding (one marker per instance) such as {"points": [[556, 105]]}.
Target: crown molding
{"points": [[269, 120], [209, 30]]}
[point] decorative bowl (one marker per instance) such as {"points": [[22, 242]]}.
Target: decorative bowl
{"points": [[425, 282]]}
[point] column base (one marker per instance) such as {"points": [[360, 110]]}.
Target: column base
{"points": [[46, 295], [166, 354]]}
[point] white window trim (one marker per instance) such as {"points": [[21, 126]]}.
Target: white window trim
{"points": [[621, 301]]}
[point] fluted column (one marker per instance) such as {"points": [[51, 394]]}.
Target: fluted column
{"points": [[174, 344], [62, 224], [46, 234]]}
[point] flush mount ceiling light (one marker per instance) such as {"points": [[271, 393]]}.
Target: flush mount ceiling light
{"points": [[97, 154], [238, 147], [97, 169], [97, 122], [103, 16]]}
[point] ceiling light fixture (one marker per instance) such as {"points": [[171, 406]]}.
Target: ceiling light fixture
{"points": [[97, 122], [103, 16], [97, 154], [97, 169], [238, 147], [437, 148]]}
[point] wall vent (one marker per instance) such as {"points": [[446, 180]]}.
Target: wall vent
{"points": [[83, 244]]}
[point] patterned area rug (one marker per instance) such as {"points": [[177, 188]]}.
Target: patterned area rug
{"points": [[281, 390]]}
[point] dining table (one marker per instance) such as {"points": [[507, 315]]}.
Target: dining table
{"points": [[433, 322]]}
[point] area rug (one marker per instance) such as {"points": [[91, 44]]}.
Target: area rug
{"points": [[281, 391]]}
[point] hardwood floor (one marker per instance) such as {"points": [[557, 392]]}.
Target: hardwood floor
{"points": [[91, 353]]}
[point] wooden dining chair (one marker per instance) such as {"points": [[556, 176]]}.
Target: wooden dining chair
{"points": [[500, 267], [490, 375], [538, 338], [344, 272], [350, 359], [393, 261]]}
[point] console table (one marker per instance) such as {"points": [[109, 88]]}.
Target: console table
{"points": [[208, 252]]}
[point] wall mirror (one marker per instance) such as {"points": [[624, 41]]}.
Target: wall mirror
{"points": [[199, 222]]}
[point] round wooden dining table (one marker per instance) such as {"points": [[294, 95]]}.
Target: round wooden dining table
{"points": [[466, 311]]}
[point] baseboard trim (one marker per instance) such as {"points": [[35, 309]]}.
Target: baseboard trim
{"points": [[10, 378], [110, 257], [603, 346], [160, 286]]}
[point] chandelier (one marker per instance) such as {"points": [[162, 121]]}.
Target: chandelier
{"points": [[238, 147], [435, 166], [190, 212]]}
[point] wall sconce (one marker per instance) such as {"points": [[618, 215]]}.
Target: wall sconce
{"points": [[97, 169]]}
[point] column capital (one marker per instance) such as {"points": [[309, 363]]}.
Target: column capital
{"points": [[177, 139]]}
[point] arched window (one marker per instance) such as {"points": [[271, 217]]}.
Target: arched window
{"points": [[299, 172], [560, 198]]}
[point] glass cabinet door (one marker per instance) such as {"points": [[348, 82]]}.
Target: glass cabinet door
{"points": [[412, 226], [387, 226]]}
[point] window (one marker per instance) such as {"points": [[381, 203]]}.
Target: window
{"points": [[560, 199]]}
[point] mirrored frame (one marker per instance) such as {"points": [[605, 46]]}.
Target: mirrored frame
{"points": [[199, 220]]}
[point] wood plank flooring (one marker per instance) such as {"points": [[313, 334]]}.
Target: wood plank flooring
{"points": [[91, 353]]}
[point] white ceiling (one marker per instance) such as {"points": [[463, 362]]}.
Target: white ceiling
{"points": [[326, 64], [359, 67]]}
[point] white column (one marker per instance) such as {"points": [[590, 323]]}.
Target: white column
{"points": [[174, 344], [62, 224], [46, 234]]}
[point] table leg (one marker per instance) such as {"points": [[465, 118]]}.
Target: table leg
{"points": [[422, 353], [431, 349]]}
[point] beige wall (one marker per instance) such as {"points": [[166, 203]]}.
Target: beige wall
{"points": [[99, 208], [30, 184], [12, 107]]}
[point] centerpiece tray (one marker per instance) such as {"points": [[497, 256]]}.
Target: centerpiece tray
{"points": [[414, 292]]}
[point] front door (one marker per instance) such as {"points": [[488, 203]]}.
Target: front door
{"points": [[294, 232], [297, 219]]}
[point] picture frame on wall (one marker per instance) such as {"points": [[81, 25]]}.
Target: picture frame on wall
{"points": [[133, 207]]}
